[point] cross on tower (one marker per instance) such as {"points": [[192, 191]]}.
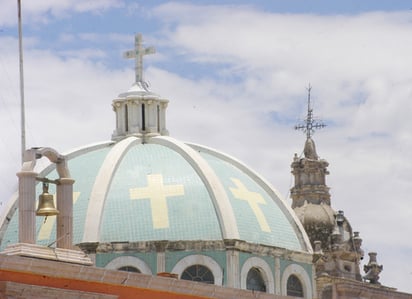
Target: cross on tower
{"points": [[310, 124], [138, 53]]}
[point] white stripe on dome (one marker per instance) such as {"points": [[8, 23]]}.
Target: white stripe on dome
{"points": [[101, 186], [47, 167], [223, 208], [273, 193], [86, 149]]}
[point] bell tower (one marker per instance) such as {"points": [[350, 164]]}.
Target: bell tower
{"points": [[310, 171], [310, 194], [337, 249], [139, 112]]}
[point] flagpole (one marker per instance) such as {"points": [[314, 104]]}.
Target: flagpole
{"points": [[22, 109]]}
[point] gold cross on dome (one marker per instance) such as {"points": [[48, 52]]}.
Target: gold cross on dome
{"points": [[157, 193], [253, 199], [138, 53]]}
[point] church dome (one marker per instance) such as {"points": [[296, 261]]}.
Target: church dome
{"points": [[148, 202], [144, 186], [164, 189], [321, 214]]}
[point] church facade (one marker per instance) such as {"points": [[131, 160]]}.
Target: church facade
{"points": [[147, 203]]}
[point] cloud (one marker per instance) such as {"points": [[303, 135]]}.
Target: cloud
{"points": [[344, 57], [42, 11], [67, 102]]}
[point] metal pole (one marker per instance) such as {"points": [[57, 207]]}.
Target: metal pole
{"points": [[22, 111]]}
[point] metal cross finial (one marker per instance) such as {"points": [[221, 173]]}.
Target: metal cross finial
{"points": [[310, 124], [138, 53]]}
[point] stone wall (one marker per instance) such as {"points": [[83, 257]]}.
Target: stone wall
{"points": [[340, 288], [20, 275]]}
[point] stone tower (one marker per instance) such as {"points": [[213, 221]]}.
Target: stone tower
{"points": [[337, 248], [310, 195]]}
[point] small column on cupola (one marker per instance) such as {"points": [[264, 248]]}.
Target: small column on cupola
{"points": [[139, 112]]}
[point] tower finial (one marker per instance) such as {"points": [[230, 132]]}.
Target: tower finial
{"points": [[138, 53], [310, 124]]}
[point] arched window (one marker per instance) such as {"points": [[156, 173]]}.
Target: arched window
{"points": [[129, 263], [129, 269], [198, 273], [296, 281], [256, 274], [294, 287], [255, 281], [199, 260]]}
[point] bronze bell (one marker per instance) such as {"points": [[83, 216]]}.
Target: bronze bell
{"points": [[46, 203]]}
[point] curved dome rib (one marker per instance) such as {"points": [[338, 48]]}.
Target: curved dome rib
{"points": [[214, 187], [101, 186], [294, 221], [86, 149]]}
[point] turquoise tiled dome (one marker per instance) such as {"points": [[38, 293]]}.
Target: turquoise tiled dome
{"points": [[145, 186], [163, 189], [148, 202]]}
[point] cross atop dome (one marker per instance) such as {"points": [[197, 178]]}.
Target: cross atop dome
{"points": [[138, 53], [310, 124], [139, 112]]}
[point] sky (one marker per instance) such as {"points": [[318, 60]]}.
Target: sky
{"points": [[236, 74]]}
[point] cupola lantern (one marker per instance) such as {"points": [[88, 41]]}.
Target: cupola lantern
{"points": [[139, 112]]}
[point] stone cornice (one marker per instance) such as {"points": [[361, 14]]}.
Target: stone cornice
{"points": [[212, 245]]}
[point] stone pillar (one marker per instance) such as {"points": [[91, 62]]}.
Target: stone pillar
{"points": [[64, 195], [372, 269], [314, 286], [27, 206], [161, 262], [277, 276], [232, 266], [163, 129], [151, 119], [161, 256]]}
